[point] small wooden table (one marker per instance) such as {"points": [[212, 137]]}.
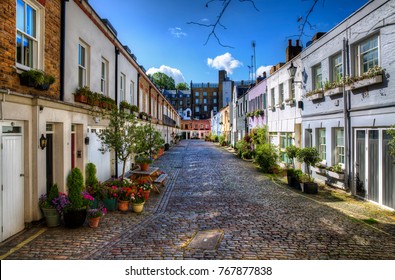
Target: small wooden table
{"points": [[138, 174]]}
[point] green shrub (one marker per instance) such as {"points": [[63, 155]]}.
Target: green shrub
{"points": [[309, 156], [242, 147], [90, 175], [75, 186], [53, 193], [221, 140], [259, 136], [292, 152], [266, 155]]}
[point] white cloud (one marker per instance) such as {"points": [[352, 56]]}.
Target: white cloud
{"points": [[224, 62], [261, 69], [177, 32], [171, 72]]}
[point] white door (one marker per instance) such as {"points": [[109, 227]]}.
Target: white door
{"points": [[101, 160], [12, 196]]}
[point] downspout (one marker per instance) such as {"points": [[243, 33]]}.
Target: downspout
{"points": [[62, 48], [116, 101], [138, 91], [346, 115]]}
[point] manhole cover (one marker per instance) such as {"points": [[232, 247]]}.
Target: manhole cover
{"points": [[206, 240]]}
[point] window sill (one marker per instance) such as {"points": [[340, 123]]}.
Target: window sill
{"points": [[334, 91], [290, 102], [316, 96]]}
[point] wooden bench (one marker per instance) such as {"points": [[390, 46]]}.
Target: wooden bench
{"points": [[161, 180]]}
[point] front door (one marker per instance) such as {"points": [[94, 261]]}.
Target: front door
{"points": [[12, 181], [374, 167]]}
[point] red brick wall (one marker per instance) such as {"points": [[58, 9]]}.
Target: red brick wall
{"points": [[9, 78]]}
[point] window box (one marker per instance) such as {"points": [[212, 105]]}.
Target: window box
{"points": [[365, 82], [279, 105], [319, 170], [333, 91], [290, 102], [315, 96], [338, 176]]}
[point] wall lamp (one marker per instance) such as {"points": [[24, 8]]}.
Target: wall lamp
{"points": [[292, 71], [43, 142]]}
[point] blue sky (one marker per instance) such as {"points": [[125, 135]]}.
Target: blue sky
{"points": [[158, 33]]}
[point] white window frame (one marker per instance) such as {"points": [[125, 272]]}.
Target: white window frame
{"points": [[280, 93], [273, 97], [339, 150], [317, 76], [38, 40], [122, 92], [83, 68], [337, 67], [321, 143], [360, 54], [104, 77]]}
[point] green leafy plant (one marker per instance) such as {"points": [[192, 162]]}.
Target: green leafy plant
{"points": [[336, 168], [90, 174], [266, 155], [47, 201], [143, 159], [292, 152], [309, 156], [137, 198], [75, 186]]}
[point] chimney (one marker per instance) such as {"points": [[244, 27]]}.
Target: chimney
{"points": [[292, 51], [264, 75]]}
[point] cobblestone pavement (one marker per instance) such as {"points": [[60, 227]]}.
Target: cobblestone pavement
{"points": [[211, 189]]}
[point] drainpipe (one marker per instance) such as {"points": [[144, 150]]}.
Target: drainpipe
{"points": [[346, 115], [116, 101], [62, 48], [138, 91]]}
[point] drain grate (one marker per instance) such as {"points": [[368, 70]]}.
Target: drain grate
{"points": [[206, 240]]}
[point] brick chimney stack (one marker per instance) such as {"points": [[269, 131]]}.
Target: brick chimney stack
{"points": [[292, 51]]}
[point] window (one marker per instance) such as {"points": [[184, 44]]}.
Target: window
{"points": [[273, 138], [337, 68], [204, 93], [122, 87], [317, 77], [197, 94], [204, 101], [273, 97], [280, 93], [27, 34], [367, 55], [180, 102], [214, 93], [103, 79], [82, 65], [215, 100], [201, 126], [197, 101], [215, 109], [321, 143], [196, 109], [339, 146], [205, 108], [285, 141]]}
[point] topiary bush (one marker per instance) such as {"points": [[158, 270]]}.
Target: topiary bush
{"points": [[309, 156], [75, 186], [266, 156], [90, 175]]}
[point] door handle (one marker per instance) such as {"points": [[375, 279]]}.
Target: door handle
{"points": [[21, 175]]}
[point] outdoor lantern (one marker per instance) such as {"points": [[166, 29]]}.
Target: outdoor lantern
{"points": [[292, 70], [43, 142]]}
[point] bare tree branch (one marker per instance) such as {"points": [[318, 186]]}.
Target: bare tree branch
{"points": [[213, 33]]}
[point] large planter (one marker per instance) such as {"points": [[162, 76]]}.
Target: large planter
{"points": [[94, 222], [365, 82], [144, 166], [74, 218], [291, 180], [123, 205], [316, 96], [138, 207], [110, 204], [310, 187], [52, 217], [81, 99], [338, 176]]}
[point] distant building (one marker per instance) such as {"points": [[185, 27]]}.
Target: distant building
{"points": [[181, 102], [195, 129]]}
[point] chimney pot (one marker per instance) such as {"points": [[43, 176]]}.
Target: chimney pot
{"points": [[289, 42], [297, 42]]}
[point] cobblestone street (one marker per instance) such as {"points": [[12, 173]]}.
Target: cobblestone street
{"points": [[210, 189]]}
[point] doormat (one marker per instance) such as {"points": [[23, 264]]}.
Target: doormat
{"points": [[206, 239]]}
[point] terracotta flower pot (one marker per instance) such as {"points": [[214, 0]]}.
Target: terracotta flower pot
{"points": [[123, 205], [144, 166], [94, 222]]}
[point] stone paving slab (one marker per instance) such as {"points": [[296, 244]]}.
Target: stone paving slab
{"points": [[211, 189]]}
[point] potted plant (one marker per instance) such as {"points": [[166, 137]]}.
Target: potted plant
{"points": [[298, 179], [46, 83], [92, 184], [145, 187], [48, 205], [144, 162], [110, 197], [75, 212], [291, 152], [336, 171], [310, 157], [81, 95], [124, 195], [95, 214], [138, 202]]}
